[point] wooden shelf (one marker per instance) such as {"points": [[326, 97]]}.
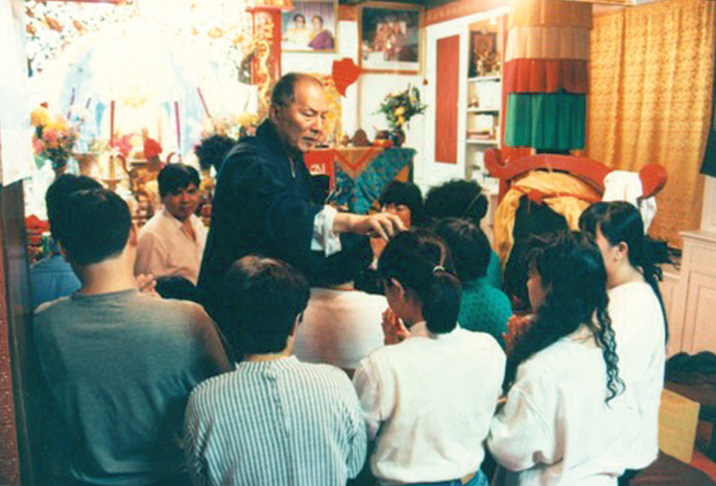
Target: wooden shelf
{"points": [[494, 109], [484, 79]]}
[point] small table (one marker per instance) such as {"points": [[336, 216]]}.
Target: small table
{"points": [[359, 174]]}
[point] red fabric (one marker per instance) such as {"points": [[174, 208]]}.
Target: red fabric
{"points": [[345, 72], [446, 90], [151, 148], [321, 162], [546, 76]]}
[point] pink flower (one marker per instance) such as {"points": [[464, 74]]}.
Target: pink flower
{"points": [[50, 135], [38, 146]]}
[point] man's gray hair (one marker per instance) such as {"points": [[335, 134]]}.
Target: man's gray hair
{"points": [[284, 90]]}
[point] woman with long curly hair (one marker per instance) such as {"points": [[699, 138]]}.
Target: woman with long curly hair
{"points": [[566, 419], [638, 315]]}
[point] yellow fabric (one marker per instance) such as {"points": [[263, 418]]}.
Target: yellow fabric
{"points": [[571, 207], [650, 100], [550, 12], [547, 43]]}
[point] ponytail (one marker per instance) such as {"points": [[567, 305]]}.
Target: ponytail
{"points": [[420, 261]]}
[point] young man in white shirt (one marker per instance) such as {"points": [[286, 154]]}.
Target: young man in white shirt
{"points": [[172, 242]]}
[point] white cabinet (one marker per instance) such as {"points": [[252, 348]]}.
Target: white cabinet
{"points": [[692, 309]]}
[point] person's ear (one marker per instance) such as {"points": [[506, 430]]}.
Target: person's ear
{"points": [[274, 111], [133, 236], [622, 251], [399, 287], [296, 322]]}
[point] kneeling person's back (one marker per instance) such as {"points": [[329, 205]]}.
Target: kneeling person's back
{"points": [[120, 365], [274, 420]]}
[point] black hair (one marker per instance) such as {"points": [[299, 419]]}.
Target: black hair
{"points": [[212, 150], [421, 262], [572, 271], [260, 299], [295, 17], [56, 199], [317, 17], [284, 90], [347, 265], [407, 194], [174, 177], [469, 247], [457, 199], [620, 221], [175, 287], [98, 224]]}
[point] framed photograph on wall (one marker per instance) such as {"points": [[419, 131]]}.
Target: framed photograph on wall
{"points": [[390, 37], [311, 26]]}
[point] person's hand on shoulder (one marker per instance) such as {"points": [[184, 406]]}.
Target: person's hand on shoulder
{"points": [[517, 326], [394, 330]]}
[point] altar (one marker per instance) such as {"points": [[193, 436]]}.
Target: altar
{"points": [[357, 175]]}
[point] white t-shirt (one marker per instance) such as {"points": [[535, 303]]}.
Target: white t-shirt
{"points": [[340, 327], [638, 324], [555, 428], [165, 249], [428, 402]]}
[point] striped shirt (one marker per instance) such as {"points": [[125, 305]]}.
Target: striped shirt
{"points": [[279, 422]]}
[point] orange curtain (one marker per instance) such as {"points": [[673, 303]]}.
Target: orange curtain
{"points": [[650, 99]]}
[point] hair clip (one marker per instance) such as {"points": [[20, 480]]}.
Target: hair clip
{"points": [[438, 268]]}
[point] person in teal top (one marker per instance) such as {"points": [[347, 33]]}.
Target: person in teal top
{"points": [[460, 198], [483, 308]]}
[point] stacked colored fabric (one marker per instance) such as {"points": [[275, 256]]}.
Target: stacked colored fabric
{"points": [[545, 74]]}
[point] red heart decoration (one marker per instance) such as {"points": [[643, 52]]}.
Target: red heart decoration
{"points": [[345, 72]]}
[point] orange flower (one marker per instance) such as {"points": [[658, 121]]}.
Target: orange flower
{"points": [[53, 24]]}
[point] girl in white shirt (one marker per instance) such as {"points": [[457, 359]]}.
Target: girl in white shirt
{"points": [[429, 399], [638, 316], [565, 420]]}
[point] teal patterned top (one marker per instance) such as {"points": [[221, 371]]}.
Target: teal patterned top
{"points": [[484, 308]]}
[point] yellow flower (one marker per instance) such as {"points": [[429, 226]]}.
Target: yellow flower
{"points": [[399, 111], [39, 117], [401, 121]]}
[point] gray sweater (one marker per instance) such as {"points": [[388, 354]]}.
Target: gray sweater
{"points": [[119, 369]]}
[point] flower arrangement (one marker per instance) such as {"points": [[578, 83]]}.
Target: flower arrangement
{"points": [[54, 137], [232, 126], [400, 107]]}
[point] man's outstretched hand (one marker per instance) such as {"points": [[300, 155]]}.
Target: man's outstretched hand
{"points": [[382, 225]]}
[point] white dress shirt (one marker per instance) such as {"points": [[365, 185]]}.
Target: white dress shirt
{"points": [[639, 327], [165, 249], [555, 428], [428, 402], [340, 327]]}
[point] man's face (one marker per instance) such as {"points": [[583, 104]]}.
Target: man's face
{"points": [[300, 124], [183, 202]]}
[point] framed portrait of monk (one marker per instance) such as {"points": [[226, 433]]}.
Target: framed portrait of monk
{"points": [[311, 26], [390, 37]]}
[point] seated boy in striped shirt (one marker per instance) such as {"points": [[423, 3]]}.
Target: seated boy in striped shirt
{"points": [[274, 420]]}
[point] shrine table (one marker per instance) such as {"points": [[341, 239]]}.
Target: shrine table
{"points": [[359, 174]]}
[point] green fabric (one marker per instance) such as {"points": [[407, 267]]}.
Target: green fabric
{"points": [[484, 308], [546, 121], [494, 271]]}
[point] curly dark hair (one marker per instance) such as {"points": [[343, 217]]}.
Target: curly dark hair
{"points": [[572, 271], [458, 198], [212, 151]]}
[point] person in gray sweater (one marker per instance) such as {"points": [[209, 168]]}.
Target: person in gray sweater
{"points": [[119, 365]]}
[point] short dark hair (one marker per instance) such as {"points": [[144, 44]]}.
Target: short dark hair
{"points": [[421, 262], [260, 299], [299, 15], [457, 199], [407, 194], [347, 265], [212, 150], [174, 177], [284, 90], [175, 287], [56, 199], [317, 17], [98, 225], [468, 245]]}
